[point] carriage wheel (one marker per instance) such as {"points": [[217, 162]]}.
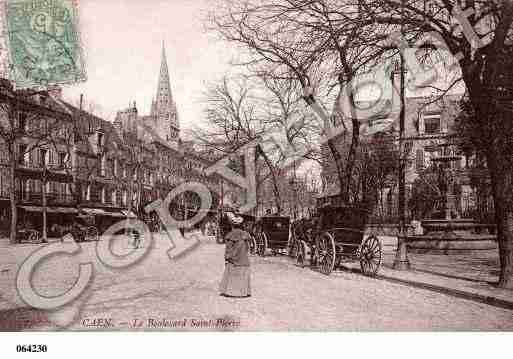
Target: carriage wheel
{"points": [[252, 245], [91, 234], [301, 253], [262, 245], [370, 256], [326, 253]]}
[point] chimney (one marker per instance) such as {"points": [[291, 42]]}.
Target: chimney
{"points": [[55, 91]]}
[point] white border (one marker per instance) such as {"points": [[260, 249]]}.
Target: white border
{"points": [[261, 345]]}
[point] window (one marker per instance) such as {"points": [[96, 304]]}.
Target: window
{"points": [[23, 155], [25, 189], [62, 159], [420, 159], [100, 139], [102, 166], [43, 161], [38, 186], [432, 124], [22, 122]]}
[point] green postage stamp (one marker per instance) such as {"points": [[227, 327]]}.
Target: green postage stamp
{"points": [[43, 42]]}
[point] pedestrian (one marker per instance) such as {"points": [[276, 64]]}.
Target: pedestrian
{"points": [[236, 277]]}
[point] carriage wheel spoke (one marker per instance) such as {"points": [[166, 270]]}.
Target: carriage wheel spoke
{"points": [[322, 245], [375, 244]]}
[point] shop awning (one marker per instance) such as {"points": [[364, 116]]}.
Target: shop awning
{"points": [[49, 209], [94, 211], [129, 214], [115, 214]]}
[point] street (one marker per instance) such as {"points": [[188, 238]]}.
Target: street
{"points": [[162, 294]]}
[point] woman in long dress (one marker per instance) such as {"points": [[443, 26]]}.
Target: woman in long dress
{"points": [[236, 277]]}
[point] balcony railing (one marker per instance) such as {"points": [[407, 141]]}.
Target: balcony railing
{"points": [[52, 198], [39, 166], [97, 202]]}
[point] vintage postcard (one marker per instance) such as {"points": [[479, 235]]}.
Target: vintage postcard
{"points": [[258, 165]]}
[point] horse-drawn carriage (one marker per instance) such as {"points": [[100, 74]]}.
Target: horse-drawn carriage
{"points": [[336, 234], [272, 233], [83, 228]]}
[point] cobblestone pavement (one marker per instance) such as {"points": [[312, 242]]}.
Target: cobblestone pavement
{"points": [[159, 293]]}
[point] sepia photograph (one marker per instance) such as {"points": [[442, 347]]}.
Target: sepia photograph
{"points": [[208, 166]]}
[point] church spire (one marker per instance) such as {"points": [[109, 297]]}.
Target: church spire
{"points": [[164, 108], [164, 96]]}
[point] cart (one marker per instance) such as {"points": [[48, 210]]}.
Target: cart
{"points": [[29, 236], [336, 235], [82, 229], [272, 233]]}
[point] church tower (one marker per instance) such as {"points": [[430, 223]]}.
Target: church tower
{"points": [[163, 108]]}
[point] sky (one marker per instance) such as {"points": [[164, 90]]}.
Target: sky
{"points": [[122, 42]]}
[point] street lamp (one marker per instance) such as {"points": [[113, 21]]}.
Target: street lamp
{"points": [[43, 200], [401, 261]]}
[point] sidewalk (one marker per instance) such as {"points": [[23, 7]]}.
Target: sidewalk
{"points": [[470, 276]]}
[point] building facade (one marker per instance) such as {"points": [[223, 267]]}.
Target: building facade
{"points": [[68, 161], [429, 135]]}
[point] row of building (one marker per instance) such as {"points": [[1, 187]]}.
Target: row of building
{"points": [[68, 160]]}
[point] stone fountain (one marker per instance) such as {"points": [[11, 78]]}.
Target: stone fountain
{"points": [[451, 234]]}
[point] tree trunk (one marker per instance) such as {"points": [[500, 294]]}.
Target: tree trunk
{"points": [[276, 191], [504, 218], [339, 164], [12, 195], [351, 157], [345, 171], [502, 187]]}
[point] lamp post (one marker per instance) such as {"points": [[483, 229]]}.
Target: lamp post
{"points": [[43, 200], [293, 185], [401, 261]]}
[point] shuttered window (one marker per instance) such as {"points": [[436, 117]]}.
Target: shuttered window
{"points": [[420, 159]]}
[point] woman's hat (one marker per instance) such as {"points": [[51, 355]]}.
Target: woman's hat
{"points": [[234, 218]]}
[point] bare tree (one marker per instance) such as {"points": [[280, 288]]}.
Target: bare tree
{"points": [[319, 44], [233, 119], [483, 41]]}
